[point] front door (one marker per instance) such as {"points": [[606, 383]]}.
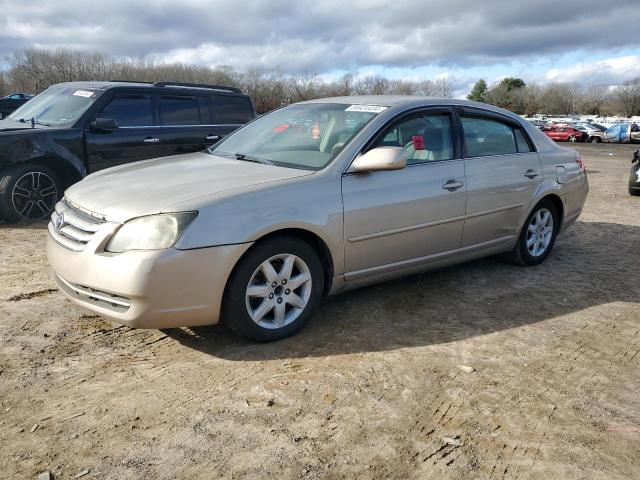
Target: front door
{"points": [[395, 219], [503, 172], [137, 138]]}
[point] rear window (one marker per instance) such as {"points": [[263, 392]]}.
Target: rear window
{"points": [[177, 110], [484, 136], [229, 109]]}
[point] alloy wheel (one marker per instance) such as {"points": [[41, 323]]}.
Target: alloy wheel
{"points": [[278, 291], [34, 195], [540, 232]]}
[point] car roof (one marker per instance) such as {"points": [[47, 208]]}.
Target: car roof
{"points": [[406, 101], [106, 85]]}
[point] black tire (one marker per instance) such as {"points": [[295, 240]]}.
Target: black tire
{"points": [[634, 186], [596, 140], [14, 204], [521, 254], [235, 313]]}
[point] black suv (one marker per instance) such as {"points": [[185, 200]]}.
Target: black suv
{"points": [[73, 129], [9, 103]]}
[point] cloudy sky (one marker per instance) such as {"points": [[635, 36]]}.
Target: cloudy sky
{"points": [[586, 41]]}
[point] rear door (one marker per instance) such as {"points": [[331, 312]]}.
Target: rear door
{"points": [[185, 123], [397, 219], [503, 172], [136, 138]]}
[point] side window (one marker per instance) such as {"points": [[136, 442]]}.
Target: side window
{"points": [[179, 110], [230, 109], [484, 136], [521, 141], [130, 110], [426, 137]]}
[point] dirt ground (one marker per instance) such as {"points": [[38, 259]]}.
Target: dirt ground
{"points": [[373, 389]]}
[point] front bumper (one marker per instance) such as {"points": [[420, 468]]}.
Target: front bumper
{"points": [[146, 289]]}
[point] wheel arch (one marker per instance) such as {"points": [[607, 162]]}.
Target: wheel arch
{"points": [[67, 173], [556, 199], [307, 236]]}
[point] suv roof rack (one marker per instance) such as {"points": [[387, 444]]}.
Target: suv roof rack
{"points": [[128, 81], [197, 85]]}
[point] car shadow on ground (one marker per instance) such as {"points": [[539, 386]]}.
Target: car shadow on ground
{"points": [[592, 264]]}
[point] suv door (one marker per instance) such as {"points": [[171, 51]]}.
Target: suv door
{"points": [[397, 219], [503, 172], [136, 138], [186, 123]]}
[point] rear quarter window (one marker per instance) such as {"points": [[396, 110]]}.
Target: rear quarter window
{"points": [[228, 109]]}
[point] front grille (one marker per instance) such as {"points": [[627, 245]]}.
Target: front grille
{"points": [[72, 227], [107, 300]]}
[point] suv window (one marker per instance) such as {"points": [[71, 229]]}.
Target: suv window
{"points": [[179, 110], [484, 136], [231, 110], [426, 137], [130, 110]]}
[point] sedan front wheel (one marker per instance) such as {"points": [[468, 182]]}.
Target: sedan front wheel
{"points": [[274, 290]]}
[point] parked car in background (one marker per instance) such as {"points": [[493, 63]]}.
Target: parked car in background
{"points": [[11, 102], [634, 175], [565, 134], [594, 134], [622, 133], [257, 229], [74, 129]]}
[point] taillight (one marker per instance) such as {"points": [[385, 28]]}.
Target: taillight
{"points": [[580, 163]]}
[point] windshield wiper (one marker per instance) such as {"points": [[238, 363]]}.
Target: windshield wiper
{"points": [[37, 122], [249, 158]]}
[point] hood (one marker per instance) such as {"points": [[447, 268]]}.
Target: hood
{"points": [[151, 186], [9, 125]]}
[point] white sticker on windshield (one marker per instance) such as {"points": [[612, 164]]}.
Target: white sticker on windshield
{"points": [[83, 93], [365, 108]]}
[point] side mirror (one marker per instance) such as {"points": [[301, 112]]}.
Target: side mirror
{"points": [[379, 159], [104, 125]]}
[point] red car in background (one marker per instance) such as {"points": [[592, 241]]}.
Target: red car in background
{"points": [[565, 134]]}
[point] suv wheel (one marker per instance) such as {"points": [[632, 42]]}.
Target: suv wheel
{"points": [[537, 236], [28, 192], [274, 290]]}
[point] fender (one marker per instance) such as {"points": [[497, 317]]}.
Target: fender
{"points": [[49, 146]]}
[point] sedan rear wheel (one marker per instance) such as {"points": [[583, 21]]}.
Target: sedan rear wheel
{"points": [[538, 235], [274, 290], [572, 138]]}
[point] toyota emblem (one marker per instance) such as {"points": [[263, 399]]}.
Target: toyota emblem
{"points": [[59, 221]]}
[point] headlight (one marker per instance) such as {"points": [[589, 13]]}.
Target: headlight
{"points": [[154, 232]]}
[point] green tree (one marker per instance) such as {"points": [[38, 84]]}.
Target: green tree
{"points": [[511, 83], [479, 91]]}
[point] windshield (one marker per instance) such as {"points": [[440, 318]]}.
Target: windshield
{"points": [[59, 106], [307, 136]]}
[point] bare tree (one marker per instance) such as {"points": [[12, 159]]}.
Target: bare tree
{"points": [[593, 98], [628, 96]]}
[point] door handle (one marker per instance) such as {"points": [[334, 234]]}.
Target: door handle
{"points": [[452, 185], [531, 173], [213, 137], [151, 140]]}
